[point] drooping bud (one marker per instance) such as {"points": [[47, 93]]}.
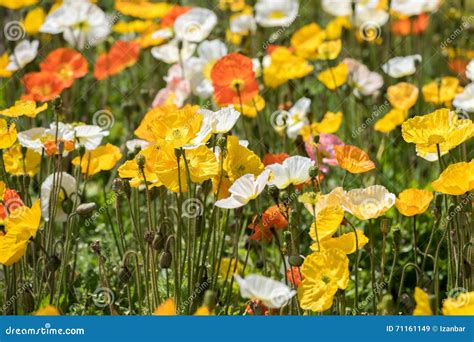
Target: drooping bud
{"points": [[165, 259], [86, 209]]}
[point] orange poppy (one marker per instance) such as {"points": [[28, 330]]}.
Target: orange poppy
{"points": [[407, 26], [274, 158], [271, 218], [67, 63], [294, 278], [234, 80], [459, 65], [121, 55], [173, 14], [42, 86], [353, 159], [51, 147]]}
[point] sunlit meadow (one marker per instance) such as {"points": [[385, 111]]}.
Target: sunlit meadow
{"points": [[236, 157]]}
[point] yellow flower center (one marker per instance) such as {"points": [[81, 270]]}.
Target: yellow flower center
{"points": [[237, 84], [277, 15]]}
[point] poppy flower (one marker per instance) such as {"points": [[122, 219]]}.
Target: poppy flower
{"points": [[271, 218], [17, 4], [345, 242], [8, 134], [441, 92], [456, 179], [283, 58], [462, 305], [243, 190], [24, 107], [233, 79], [368, 203], [48, 310], [307, 40], [121, 55], [170, 17], [324, 274], [412, 202], [240, 160], [33, 20], [167, 308], [353, 159], [67, 63], [294, 276], [17, 163], [276, 13], [143, 9], [272, 293], [67, 186], [423, 306], [441, 128], [4, 61], [274, 158], [24, 53], [391, 120], [103, 158], [21, 225], [401, 66], [9, 201], [293, 171], [402, 95], [334, 77], [42, 86], [406, 26]]}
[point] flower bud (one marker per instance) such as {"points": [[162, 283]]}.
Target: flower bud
{"points": [[82, 150], [295, 260], [158, 241], [117, 185], [53, 263], [67, 205], [95, 247], [124, 275], [385, 224], [313, 172], [165, 259], [27, 299], [177, 153], [274, 193], [86, 209], [140, 160]]}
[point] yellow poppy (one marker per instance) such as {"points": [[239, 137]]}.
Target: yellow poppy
{"points": [[330, 123], [252, 107], [456, 179], [328, 219], [103, 158], [402, 95], [233, 5], [134, 26], [442, 127], [345, 242], [4, 61], [24, 107], [335, 26], [130, 169], [391, 120], [177, 127], [307, 40], [21, 225], [412, 202], [168, 308], [239, 160], [282, 59], [142, 8], [200, 162], [324, 273], [353, 159], [441, 92], [49, 310], [18, 164], [329, 50], [7, 134], [33, 20], [17, 4], [462, 305], [423, 307], [334, 77]]}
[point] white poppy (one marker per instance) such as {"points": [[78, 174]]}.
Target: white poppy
{"points": [[364, 81], [67, 190], [272, 293], [195, 25], [276, 13], [337, 8], [368, 203], [414, 7], [198, 69], [294, 170], [242, 24], [34, 138], [24, 53], [297, 117], [221, 121], [169, 53], [134, 143], [373, 16], [81, 23], [401, 66], [465, 100], [90, 136], [470, 70], [243, 190]]}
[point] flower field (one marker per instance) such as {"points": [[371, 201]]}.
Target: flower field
{"points": [[236, 157]]}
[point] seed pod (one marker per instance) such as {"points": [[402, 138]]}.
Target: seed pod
{"points": [[158, 241], [165, 259], [124, 275], [67, 205], [149, 236], [53, 263], [27, 299], [85, 209], [296, 260]]}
